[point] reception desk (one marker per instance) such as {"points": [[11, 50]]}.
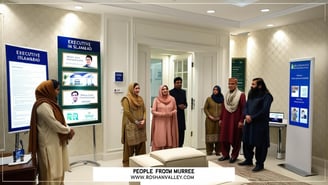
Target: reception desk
{"points": [[280, 127], [22, 174]]}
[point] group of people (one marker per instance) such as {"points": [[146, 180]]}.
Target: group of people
{"points": [[230, 120], [168, 121]]}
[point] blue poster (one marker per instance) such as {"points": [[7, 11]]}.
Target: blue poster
{"points": [[299, 96], [26, 69]]}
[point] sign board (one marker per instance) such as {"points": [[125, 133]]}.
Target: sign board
{"points": [[26, 69], [79, 73]]}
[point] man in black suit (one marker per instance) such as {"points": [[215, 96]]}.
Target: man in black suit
{"points": [[181, 102]]}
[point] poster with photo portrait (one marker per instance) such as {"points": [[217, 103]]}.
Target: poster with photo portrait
{"points": [[295, 114], [80, 97], [304, 115], [74, 60], [295, 91]]}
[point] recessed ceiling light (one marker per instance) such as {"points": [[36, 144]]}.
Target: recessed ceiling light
{"points": [[210, 11], [270, 25], [78, 7], [265, 10]]}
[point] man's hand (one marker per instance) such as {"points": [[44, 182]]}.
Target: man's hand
{"points": [[240, 124], [182, 106], [248, 119]]}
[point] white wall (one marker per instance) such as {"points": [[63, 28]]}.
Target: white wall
{"points": [[134, 37]]}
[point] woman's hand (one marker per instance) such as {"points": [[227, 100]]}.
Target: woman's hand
{"points": [[141, 124], [71, 134]]}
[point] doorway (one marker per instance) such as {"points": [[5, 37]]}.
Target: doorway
{"points": [[199, 71], [164, 67]]}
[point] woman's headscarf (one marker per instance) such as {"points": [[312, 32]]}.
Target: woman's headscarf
{"points": [[164, 99], [135, 100], [218, 98], [45, 93]]}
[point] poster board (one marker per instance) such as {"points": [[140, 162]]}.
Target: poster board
{"points": [[238, 70], [79, 74], [26, 69], [299, 129]]}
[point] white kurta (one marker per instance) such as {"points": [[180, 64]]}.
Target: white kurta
{"points": [[52, 157]]}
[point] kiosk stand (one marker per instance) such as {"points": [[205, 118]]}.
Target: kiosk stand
{"points": [[85, 162]]}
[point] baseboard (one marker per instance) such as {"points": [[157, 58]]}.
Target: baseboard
{"points": [[319, 165], [110, 155], [89, 157]]}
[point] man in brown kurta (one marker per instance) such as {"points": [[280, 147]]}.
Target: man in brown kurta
{"points": [[231, 122]]}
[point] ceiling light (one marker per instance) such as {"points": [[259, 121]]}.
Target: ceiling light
{"points": [[240, 3], [78, 7], [265, 10], [270, 25], [210, 11]]}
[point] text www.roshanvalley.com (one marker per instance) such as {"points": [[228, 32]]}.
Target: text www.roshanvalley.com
{"points": [[161, 177]]}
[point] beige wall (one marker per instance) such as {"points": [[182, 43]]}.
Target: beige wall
{"points": [[268, 54], [38, 27]]}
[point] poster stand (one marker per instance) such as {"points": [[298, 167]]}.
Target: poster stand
{"points": [[80, 95], [85, 162], [300, 121]]}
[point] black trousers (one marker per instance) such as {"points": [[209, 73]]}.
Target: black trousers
{"points": [[260, 153], [181, 137]]}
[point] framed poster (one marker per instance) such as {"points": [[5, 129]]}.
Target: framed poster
{"points": [[300, 92], [79, 74], [238, 70], [26, 69]]}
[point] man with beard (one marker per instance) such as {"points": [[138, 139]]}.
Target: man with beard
{"points": [[231, 121], [256, 128]]}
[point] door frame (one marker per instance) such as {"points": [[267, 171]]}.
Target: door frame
{"points": [[194, 118]]}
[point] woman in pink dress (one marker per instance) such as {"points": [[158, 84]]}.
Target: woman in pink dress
{"points": [[164, 129]]}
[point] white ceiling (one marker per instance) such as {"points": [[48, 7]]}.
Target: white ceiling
{"points": [[235, 16]]}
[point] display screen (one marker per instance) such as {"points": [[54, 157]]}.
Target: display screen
{"points": [[276, 117]]}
